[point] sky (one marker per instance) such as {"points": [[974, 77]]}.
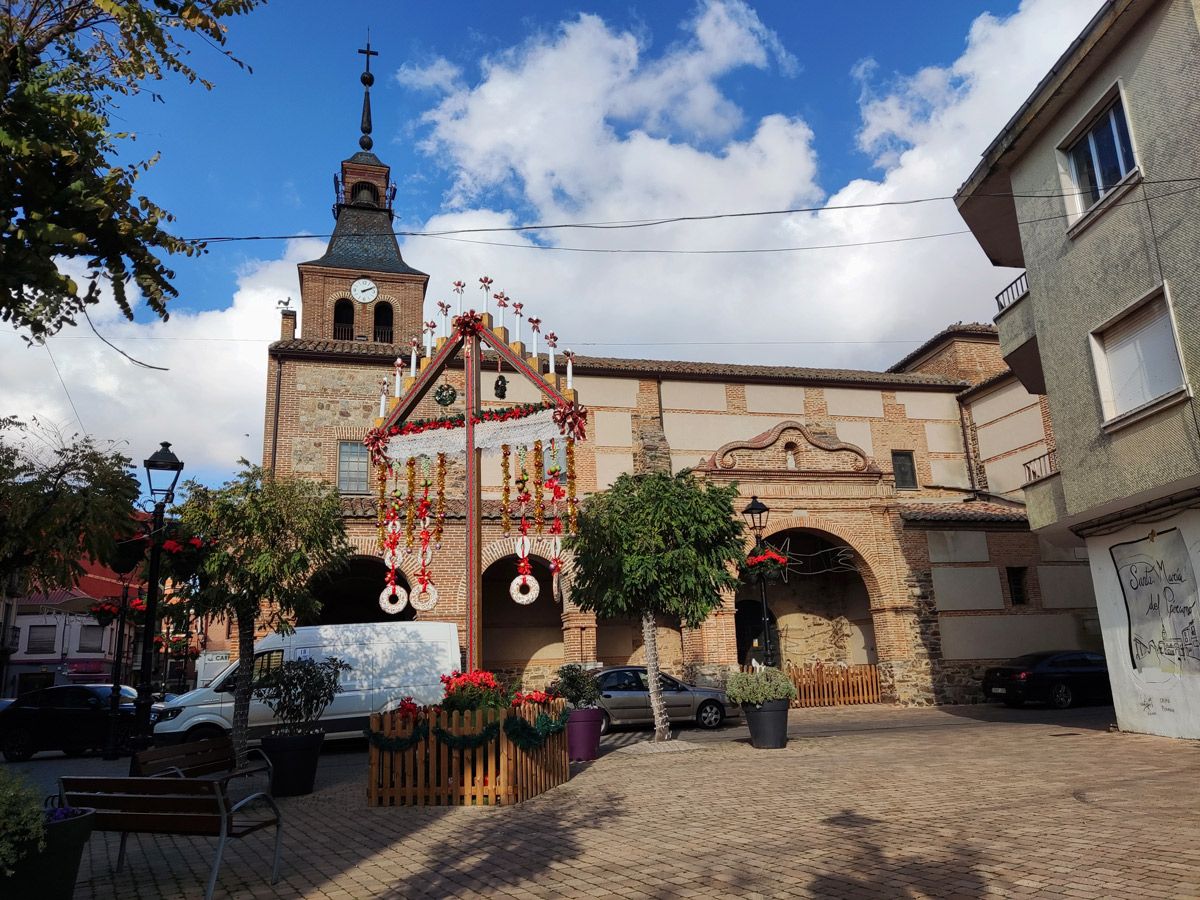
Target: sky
{"points": [[499, 115]]}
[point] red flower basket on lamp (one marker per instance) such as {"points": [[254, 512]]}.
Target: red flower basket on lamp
{"points": [[764, 561]]}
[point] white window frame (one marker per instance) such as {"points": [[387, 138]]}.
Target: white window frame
{"points": [[1078, 206], [1113, 418], [367, 485]]}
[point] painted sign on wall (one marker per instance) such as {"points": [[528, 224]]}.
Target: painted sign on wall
{"points": [[1159, 587]]}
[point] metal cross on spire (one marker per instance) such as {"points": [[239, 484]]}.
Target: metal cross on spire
{"points": [[367, 80]]}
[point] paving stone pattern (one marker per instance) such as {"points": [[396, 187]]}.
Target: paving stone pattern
{"points": [[875, 802]]}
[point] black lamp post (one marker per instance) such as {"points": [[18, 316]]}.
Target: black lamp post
{"points": [[161, 466], [756, 514]]}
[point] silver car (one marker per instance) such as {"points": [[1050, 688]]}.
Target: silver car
{"points": [[625, 699]]}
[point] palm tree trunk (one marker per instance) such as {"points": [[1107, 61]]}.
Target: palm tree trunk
{"points": [[245, 684], [662, 725]]}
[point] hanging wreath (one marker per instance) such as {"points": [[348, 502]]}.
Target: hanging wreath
{"points": [[393, 599], [524, 590], [445, 394]]}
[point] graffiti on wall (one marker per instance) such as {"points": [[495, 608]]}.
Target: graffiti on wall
{"points": [[1159, 587]]}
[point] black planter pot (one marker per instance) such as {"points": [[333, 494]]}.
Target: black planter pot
{"points": [[294, 760], [50, 875], [767, 723]]}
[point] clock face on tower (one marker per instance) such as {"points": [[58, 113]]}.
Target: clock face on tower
{"points": [[364, 290]]}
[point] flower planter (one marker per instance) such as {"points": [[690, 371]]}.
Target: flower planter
{"points": [[50, 875], [583, 734], [294, 759], [767, 723]]}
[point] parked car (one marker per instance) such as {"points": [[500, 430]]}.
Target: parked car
{"points": [[1060, 678], [389, 661], [73, 718], [625, 699]]}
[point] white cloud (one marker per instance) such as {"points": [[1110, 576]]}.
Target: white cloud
{"points": [[210, 403], [581, 124], [438, 75]]}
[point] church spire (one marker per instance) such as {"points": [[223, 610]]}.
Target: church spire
{"points": [[367, 80]]}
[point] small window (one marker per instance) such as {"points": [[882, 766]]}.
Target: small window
{"points": [[1102, 156], [383, 323], [1017, 591], [353, 468], [904, 468], [42, 639], [91, 639], [1136, 359], [343, 320]]}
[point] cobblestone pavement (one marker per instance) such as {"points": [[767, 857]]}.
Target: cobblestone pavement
{"points": [[869, 802]]}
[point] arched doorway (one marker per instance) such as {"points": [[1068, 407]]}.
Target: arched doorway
{"points": [[822, 613], [522, 642], [351, 595]]}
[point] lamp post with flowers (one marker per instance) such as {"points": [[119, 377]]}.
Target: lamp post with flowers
{"points": [[756, 514], [161, 465]]}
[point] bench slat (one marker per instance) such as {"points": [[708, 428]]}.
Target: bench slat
{"points": [[152, 803], [86, 784], [157, 823]]}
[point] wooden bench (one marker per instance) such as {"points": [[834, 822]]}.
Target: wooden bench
{"points": [[187, 806], [197, 759]]}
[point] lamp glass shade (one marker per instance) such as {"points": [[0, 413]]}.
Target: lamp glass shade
{"points": [[163, 465], [756, 514]]}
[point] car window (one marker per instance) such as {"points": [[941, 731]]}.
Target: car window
{"points": [[624, 680], [266, 662], [1074, 661], [35, 699], [74, 698], [667, 683]]}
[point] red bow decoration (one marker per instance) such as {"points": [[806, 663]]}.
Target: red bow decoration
{"points": [[431, 326], [443, 307], [535, 325], [375, 441], [485, 282], [468, 323], [459, 286], [572, 420], [551, 338], [415, 342], [501, 299], [517, 307]]}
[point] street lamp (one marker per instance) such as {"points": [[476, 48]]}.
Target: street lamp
{"points": [[161, 466], [756, 515]]}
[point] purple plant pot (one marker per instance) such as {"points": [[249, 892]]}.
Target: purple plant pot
{"points": [[583, 734]]}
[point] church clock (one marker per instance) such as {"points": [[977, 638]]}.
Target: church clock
{"points": [[364, 290]]}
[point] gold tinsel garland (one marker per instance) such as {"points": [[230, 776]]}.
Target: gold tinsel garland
{"points": [[505, 489], [572, 505], [440, 511], [410, 517], [381, 477], [539, 504]]}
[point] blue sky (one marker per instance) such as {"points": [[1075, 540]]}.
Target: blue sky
{"points": [[506, 114]]}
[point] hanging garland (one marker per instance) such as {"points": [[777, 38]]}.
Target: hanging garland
{"points": [[533, 735], [398, 744], [381, 477], [505, 489], [410, 504], [439, 520], [467, 741], [424, 595], [572, 503], [539, 504], [554, 486], [458, 420], [524, 589]]}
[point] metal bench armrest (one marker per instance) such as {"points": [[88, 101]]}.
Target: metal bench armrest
{"points": [[252, 798]]}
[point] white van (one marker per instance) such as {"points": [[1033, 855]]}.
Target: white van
{"points": [[389, 660]]}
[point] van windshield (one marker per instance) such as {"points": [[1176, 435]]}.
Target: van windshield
{"points": [[215, 681]]}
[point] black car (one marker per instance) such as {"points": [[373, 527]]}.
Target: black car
{"points": [[1060, 678], [73, 718]]}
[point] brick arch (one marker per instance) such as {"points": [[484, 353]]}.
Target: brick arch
{"points": [[869, 565], [540, 547]]}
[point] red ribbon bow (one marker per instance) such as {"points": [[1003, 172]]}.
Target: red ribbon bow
{"points": [[468, 323], [572, 420]]}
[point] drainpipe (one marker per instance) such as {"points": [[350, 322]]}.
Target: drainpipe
{"points": [[275, 424]]}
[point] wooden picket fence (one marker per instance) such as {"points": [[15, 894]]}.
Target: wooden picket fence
{"points": [[498, 773], [820, 684]]}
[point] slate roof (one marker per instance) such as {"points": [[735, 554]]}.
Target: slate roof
{"points": [[366, 158], [958, 329], [363, 239], [967, 511], [670, 368]]}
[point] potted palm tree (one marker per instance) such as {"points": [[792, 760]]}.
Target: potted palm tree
{"points": [[297, 692], [40, 848], [577, 686], [764, 695]]}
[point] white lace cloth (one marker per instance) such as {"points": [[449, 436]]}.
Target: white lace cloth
{"points": [[489, 437]]}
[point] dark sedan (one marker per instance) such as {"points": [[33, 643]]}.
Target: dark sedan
{"points": [[1060, 678], [73, 718]]}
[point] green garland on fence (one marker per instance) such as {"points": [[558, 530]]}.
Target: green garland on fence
{"points": [[467, 741], [533, 736], [398, 744]]}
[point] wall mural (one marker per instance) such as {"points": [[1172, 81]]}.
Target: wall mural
{"points": [[1159, 587]]}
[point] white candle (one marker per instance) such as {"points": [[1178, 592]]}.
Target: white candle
{"points": [[518, 329], [550, 353], [412, 360], [399, 366], [383, 401], [533, 340], [570, 370]]}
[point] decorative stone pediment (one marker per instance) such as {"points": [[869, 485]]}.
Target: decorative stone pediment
{"points": [[793, 447]]}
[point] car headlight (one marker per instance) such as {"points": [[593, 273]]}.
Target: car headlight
{"points": [[169, 713]]}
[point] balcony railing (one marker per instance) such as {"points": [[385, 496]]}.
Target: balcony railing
{"points": [[383, 334], [1014, 292], [1042, 467], [343, 332]]}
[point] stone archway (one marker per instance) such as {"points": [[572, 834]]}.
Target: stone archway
{"points": [[351, 595], [521, 642], [823, 616]]}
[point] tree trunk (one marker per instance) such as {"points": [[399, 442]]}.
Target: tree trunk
{"points": [[245, 684], [662, 725]]}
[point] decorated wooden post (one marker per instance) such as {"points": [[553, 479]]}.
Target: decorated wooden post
{"points": [[415, 525]]}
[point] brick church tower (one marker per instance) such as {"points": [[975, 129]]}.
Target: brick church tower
{"points": [[362, 289]]}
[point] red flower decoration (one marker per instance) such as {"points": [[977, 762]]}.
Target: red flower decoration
{"points": [[172, 546]]}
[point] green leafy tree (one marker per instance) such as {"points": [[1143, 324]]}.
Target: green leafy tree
{"points": [[656, 545], [264, 540], [63, 65], [62, 500]]}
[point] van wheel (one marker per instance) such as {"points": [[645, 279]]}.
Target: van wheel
{"points": [[205, 733]]}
